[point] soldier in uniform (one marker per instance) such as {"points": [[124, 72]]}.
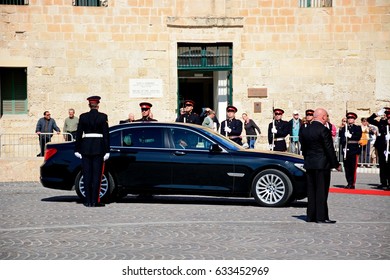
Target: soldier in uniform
{"points": [[231, 127], [92, 147], [187, 115], [277, 132], [145, 111], [350, 135], [382, 145]]}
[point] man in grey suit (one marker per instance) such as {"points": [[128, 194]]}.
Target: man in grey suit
{"points": [[320, 157]]}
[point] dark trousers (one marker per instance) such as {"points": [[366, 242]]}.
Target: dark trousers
{"points": [[384, 169], [350, 166], [92, 171], [318, 181], [69, 138], [43, 139]]}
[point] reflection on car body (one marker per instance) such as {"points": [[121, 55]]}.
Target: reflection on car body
{"points": [[178, 158]]}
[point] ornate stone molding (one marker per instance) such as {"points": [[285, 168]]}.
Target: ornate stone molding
{"points": [[205, 22]]}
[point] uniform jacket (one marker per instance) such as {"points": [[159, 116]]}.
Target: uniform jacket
{"points": [[190, 118], [317, 147], [92, 122], [380, 142], [236, 127], [353, 147], [145, 119], [282, 127]]}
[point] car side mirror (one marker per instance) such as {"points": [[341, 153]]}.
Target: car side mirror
{"points": [[215, 148]]}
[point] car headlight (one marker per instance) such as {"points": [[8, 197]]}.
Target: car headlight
{"points": [[300, 166]]}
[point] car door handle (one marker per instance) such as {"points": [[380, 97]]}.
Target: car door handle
{"points": [[115, 150], [179, 153]]}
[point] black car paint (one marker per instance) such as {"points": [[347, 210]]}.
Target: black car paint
{"points": [[175, 171]]}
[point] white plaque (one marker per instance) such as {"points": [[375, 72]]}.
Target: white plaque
{"points": [[142, 88]]}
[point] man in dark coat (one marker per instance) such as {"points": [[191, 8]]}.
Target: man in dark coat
{"points": [[231, 127], [277, 132], [44, 129], [320, 157], [350, 135], [92, 147], [382, 145], [146, 113], [187, 114]]}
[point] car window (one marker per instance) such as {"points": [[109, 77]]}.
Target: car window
{"points": [[186, 139], [149, 137]]}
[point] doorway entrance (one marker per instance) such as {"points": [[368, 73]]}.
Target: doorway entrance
{"points": [[204, 76]]}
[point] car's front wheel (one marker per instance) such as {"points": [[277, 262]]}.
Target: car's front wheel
{"points": [[106, 188], [272, 187]]}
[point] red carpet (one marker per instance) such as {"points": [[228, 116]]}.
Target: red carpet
{"points": [[360, 191]]}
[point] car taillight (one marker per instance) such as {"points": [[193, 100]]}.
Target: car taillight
{"points": [[50, 152]]}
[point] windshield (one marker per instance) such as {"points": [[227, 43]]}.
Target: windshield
{"points": [[223, 140]]}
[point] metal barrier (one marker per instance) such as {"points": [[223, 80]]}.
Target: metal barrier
{"points": [[16, 145], [368, 156]]}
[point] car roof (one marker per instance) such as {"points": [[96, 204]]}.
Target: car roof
{"points": [[156, 124]]}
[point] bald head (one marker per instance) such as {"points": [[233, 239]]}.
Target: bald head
{"points": [[321, 115]]}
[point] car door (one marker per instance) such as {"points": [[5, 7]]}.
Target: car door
{"points": [[141, 160], [195, 168]]}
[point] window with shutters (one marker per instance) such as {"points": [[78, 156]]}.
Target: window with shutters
{"points": [[13, 90], [13, 2], [315, 3], [91, 3]]}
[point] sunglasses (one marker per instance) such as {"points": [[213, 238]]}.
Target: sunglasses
{"points": [[350, 118], [278, 114], [48, 115], [144, 109], [188, 105], [309, 114]]}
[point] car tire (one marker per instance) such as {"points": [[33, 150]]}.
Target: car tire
{"points": [[106, 189], [272, 188]]}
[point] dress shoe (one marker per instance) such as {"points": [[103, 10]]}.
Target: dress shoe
{"points": [[88, 204], [326, 222], [98, 205]]}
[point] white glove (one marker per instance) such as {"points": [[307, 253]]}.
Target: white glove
{"points": [[77, 154], [274, 130], [245, 145], [347, 134], [270, 147], [106, 156], [228, 129], [381, 112], [387, 136]]}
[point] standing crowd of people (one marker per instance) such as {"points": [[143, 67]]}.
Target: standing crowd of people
{"points": [[313, 136]]}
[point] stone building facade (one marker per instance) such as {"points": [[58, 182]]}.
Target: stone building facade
{"points": [[254, 54]]}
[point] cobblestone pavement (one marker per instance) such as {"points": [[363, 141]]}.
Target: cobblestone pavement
{"points": [[41, 224]]}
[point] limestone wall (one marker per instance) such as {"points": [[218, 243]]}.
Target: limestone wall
{"points": [[337, 57]]}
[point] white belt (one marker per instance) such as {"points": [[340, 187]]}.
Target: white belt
{"points": [[279, 139], [93, 135]]}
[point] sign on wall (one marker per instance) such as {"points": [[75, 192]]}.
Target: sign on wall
{"points": [[142, 88]]}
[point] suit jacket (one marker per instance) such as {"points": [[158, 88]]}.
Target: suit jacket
{"points": [[317, 147], [92, 122]]}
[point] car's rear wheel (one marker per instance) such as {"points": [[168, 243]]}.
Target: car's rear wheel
{"points": [[106, 189], [272, 187]]}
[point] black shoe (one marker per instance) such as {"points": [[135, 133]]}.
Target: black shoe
{"points": [[326, 222], [98, 205], [381, 187], [87, 204]]}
